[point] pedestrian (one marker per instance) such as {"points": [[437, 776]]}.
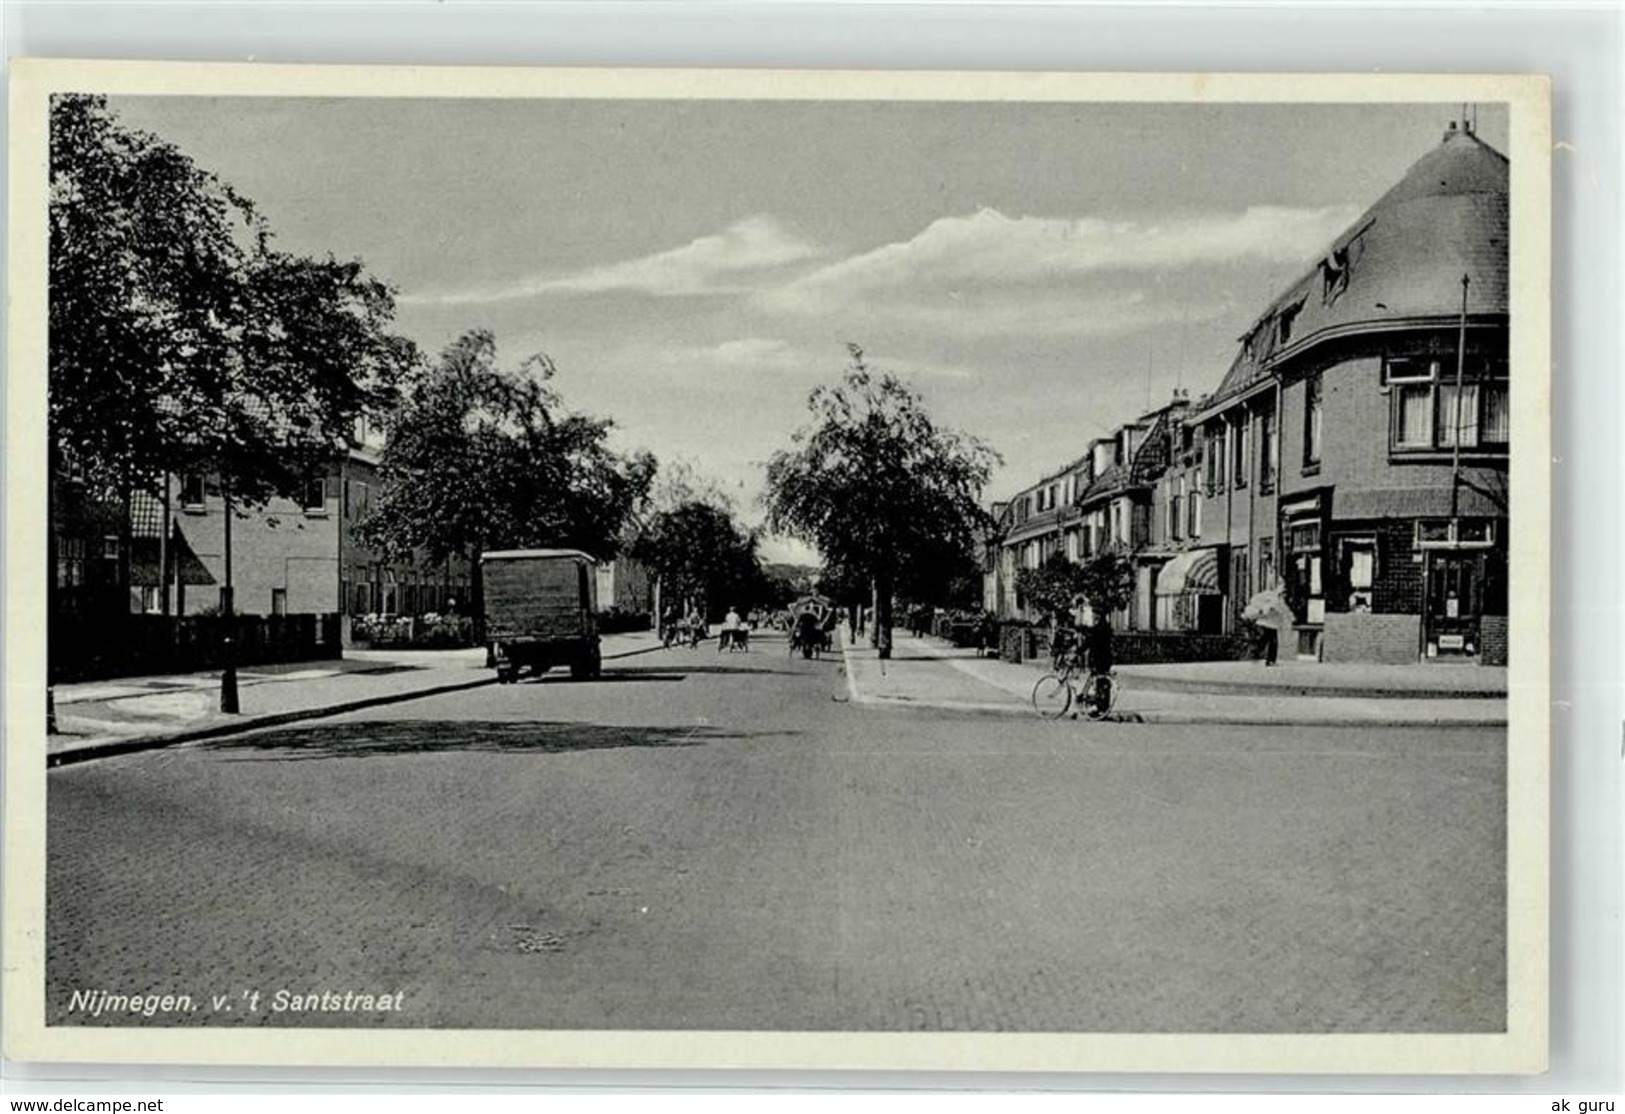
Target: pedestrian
{"points": [[733, 632], [1268, 612]]}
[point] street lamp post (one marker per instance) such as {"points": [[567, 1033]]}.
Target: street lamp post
{"points": [[228, 616]]}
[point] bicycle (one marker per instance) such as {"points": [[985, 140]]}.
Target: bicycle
{"points": [[1055, 693]]}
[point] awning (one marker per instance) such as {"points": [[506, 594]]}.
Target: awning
{"points": [[1194, 571]]}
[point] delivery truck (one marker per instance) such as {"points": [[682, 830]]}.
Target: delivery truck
{"points": [[541, 610]]}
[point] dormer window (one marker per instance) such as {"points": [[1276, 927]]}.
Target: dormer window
{"points": [[1288, 316]]}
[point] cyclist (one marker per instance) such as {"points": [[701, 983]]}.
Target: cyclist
{"points": [[1097, 651]]}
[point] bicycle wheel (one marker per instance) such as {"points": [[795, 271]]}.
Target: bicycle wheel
{"points": [[1052, 695], [1099, 695]]}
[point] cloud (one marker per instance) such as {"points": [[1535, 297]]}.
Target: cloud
{"points": [[964, 257], [702, 266], [750, 352]]}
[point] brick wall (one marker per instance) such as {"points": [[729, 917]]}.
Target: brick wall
{"points": [[1367, 636], [1141, 649], [1492, 635]]}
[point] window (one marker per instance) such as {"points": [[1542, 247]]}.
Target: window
{"points": [[1410, 369], [1334, 274], [1311, 421], [1240, 443], [1266, 562], [1304, 536], [70, 562], [1194, 514], [1497, 425], [1434, 533], [1427, 408], [314, 497], [192, 492], [1213, 461], [1288, 316], [279, 601], [1360, 571], [1303, 544], [1269, 452], [1457, 412], [1176, 507], [1413, 416]]}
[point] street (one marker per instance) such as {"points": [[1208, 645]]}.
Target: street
{"points": [[722, 841]]}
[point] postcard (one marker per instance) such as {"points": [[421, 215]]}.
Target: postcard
{"points": [[746, 569]]}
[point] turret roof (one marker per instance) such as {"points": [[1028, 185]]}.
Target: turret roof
{"points": [[1400, 263]]}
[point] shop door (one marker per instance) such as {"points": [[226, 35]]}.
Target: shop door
{"points": [[1454, 599]]}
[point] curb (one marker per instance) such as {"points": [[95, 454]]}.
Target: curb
{"points": [[219, 730], [139, 743], [1177, 718], [1222, 688]]}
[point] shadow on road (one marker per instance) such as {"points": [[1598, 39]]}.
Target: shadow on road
{"points": [[361, 740]]}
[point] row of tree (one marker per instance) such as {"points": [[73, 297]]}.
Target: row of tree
{"points": [[181, 340]]}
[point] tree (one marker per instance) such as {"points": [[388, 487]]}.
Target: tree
{"points": [[180, 340], [1105, 582], [703, 556], [875, 484], [478, 458], [1052, 588]]}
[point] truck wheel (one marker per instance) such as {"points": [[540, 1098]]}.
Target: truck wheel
{"points": [[505, 676], [587, 669]]}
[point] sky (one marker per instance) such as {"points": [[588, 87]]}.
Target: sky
{"points": [[1040, 273]]}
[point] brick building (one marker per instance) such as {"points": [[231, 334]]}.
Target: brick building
{"points": [[1358, 446], [1355, 452]]}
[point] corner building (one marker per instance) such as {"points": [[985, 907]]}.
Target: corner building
{"points": [[1357, 449]]}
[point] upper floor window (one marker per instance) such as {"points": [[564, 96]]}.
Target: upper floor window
{"points": [[1311, 420], [1213, 460], [1430, 413], [1288, 316], [192, 491], [1240, 443], [1269, 452], [313, 498]]}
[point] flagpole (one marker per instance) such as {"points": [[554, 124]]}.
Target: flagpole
{"points": [[1455, 434]]}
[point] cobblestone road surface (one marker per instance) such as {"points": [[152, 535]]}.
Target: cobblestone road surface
{"points": [[719, 841]]}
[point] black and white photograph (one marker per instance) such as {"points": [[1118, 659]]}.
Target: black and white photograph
{"points": [[756, 558]]}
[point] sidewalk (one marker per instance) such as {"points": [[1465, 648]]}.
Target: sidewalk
{"points": [[100, 718], [929, 673]]}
